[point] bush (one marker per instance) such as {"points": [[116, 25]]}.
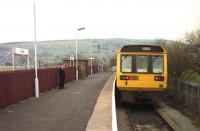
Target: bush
{"points": [[191, 75]]}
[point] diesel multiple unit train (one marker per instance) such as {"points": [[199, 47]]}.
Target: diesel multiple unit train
{"points": [[141, 72]]}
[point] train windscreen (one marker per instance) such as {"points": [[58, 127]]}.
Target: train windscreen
{"points": [[142, 64], [157, 64], [126, 63]]}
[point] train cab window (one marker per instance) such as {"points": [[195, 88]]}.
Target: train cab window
{"points": [[126, 64], [141, 64], [157, 64]]}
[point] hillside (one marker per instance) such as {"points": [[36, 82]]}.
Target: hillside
{"points": [[54, 51]]}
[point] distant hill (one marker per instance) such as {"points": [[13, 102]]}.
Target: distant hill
{"points": [[54, 51]]}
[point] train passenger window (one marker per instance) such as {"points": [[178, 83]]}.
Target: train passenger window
{"points": [[157, 64], [141, 64], [126, 63]]}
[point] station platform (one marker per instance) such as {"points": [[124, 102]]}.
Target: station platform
{"points": [[66, 109], [102, 119]]}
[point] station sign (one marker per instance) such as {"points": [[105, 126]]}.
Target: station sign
{"points": [[71, 58], [20, 51]]}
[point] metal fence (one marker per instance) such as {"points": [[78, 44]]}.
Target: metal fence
{"points": [[19, 85], [186, 93]]}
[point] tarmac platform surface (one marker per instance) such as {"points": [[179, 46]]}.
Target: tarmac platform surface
{"points": [[66, 109]]}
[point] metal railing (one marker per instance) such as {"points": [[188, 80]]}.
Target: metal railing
{"points": [[187, 93]]}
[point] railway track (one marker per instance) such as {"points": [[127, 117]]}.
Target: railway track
{"points": [[140, 117], [133, 124]]}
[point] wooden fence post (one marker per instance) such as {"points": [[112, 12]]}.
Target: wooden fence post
{"points": [[191, 95], [198, 100], [186, 93], [178, 86]]}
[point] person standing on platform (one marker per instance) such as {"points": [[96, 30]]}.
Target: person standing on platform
{"points": [[61, 77]]}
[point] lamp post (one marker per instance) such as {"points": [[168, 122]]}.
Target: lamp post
{"points": [[91, 65], [35, 46], [79, 29], [91, 59], [71, 60]]}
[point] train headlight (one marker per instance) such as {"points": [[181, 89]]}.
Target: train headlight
{"points": [[123, 77], [159, 78]]}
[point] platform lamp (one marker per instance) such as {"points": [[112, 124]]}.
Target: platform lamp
{"points": [[79, 29], [35, 46]]}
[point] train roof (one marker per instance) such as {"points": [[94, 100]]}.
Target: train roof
{"points": [[142, 48]]}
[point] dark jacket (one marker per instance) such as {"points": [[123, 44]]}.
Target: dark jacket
{"points": [[61, 73]]}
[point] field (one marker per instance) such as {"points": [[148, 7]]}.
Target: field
{"points": [[5, 68]]}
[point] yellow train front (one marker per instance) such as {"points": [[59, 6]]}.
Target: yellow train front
{"points": [[141, 72]]}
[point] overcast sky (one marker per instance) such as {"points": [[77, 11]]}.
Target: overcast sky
{"points": [[136, 19]]}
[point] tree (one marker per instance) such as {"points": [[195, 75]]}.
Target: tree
{"points": [[178, 59], [8, 63], [193, 48], [113, 60]]}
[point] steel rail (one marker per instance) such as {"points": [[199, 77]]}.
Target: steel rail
{"points": [[131, 119]]}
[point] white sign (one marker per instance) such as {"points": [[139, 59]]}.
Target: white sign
{"points": [[20, 51], [71, 58]]}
